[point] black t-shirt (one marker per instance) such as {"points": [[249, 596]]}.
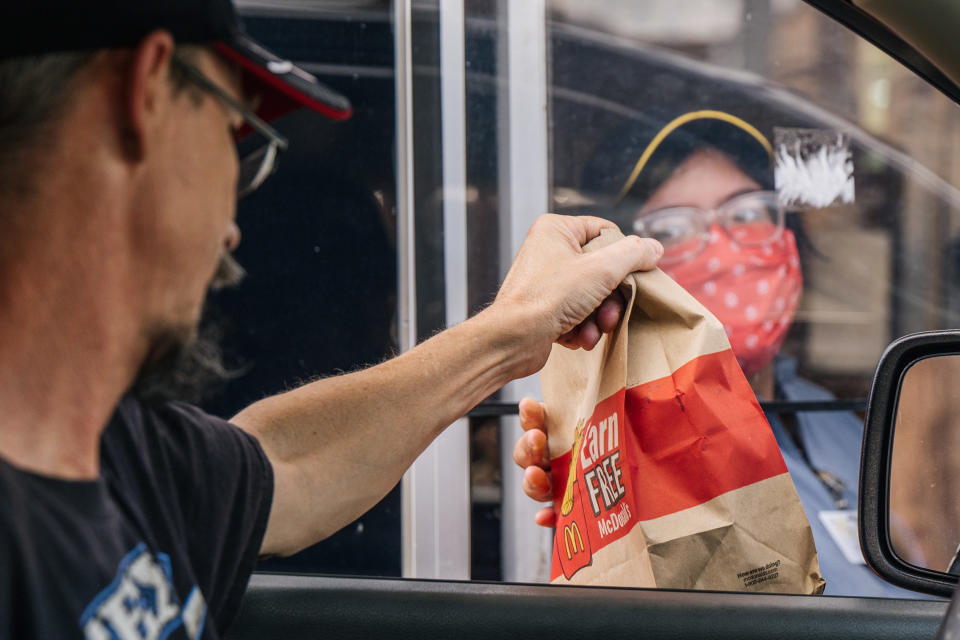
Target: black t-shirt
{"points": [[160, 546]]}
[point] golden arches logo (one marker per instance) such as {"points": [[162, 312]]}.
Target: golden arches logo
{"points": [[572, 536], [571, 522]]}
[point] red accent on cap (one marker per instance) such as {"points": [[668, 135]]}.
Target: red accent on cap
{"points": [[278, 97]]}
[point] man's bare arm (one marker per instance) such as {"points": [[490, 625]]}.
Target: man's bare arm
{"points": [[338, 445]]}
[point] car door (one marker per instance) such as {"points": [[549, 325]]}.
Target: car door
{"points": [[472, 117]]}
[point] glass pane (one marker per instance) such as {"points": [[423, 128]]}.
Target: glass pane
{"points": [[319, 248], [847, 278], [656, 104]]}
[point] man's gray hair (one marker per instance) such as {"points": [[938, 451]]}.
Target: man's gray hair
{"points": [[33, 91]]}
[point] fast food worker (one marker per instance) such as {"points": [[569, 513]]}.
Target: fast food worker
{"points": [[119, 177], [706, 188]]}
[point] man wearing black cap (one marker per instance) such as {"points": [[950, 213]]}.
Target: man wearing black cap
{"points": [[119, 175]]}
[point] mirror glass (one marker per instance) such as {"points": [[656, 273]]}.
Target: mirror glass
{"points": [[925, 466]]}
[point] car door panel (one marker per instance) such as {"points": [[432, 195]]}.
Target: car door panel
{"points": [[294, 607]]}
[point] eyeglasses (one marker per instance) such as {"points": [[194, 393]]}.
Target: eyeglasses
{"points": [[754, 218], [260, 160]]}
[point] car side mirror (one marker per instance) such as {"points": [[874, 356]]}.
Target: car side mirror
{"points": [[909, 516]]}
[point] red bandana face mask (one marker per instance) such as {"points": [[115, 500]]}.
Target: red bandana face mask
{"points": [[752, 290]]}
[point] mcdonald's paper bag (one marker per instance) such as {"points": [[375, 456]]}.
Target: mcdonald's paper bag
{"points": [[665, 471]]}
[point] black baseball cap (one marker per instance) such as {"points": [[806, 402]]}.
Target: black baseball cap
{"points": [[32, 27]]}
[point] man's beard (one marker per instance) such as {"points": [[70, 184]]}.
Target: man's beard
{"points": [[186, 363]]}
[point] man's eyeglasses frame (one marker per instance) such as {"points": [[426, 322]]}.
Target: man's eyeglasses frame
{"points": [[255, 167]]}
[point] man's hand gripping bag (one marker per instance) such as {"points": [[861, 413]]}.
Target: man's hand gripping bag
{"points": [[665, 471]]}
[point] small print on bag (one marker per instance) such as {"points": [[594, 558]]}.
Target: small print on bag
{"points": [[666, 472]]}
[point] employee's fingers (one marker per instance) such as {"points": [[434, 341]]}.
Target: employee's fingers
{"points": [[533, 414], [531, 450], [536, 484], [546, 517]]}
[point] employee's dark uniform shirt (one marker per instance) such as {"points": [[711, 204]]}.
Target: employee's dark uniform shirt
{"points": [[160, 546]]}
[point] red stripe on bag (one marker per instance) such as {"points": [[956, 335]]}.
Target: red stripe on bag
{"points": [[683, 440], [713, 436]]}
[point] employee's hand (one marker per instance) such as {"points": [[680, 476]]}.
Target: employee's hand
{"points": [[531, 455], [554, 292]]}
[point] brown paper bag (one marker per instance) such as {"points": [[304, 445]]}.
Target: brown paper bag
{"points": [[665, 471]]}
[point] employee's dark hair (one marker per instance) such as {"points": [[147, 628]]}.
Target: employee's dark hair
{"points": [[616, 156]]}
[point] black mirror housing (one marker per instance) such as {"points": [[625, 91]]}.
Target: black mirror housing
{"points": [[876, 457]]}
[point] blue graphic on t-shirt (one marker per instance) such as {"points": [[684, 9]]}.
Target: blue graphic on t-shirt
{"points": [[141, 603]]}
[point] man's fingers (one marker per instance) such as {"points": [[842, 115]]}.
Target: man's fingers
{"points": [[604, 320], [546, 517], [531, 450], [610, 312], [533, 414], [625, 256], [570, 339], [589, 334], [586, 228], [536, 484]]}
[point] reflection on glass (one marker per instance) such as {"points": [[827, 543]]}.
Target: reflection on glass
{"points": [[313, 304], [925, 467]]}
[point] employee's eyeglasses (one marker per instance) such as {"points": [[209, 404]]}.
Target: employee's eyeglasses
{"points": [[258, 157], [754, 218]]}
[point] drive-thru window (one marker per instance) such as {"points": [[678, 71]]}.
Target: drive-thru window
{"points": [[473, 117]]}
